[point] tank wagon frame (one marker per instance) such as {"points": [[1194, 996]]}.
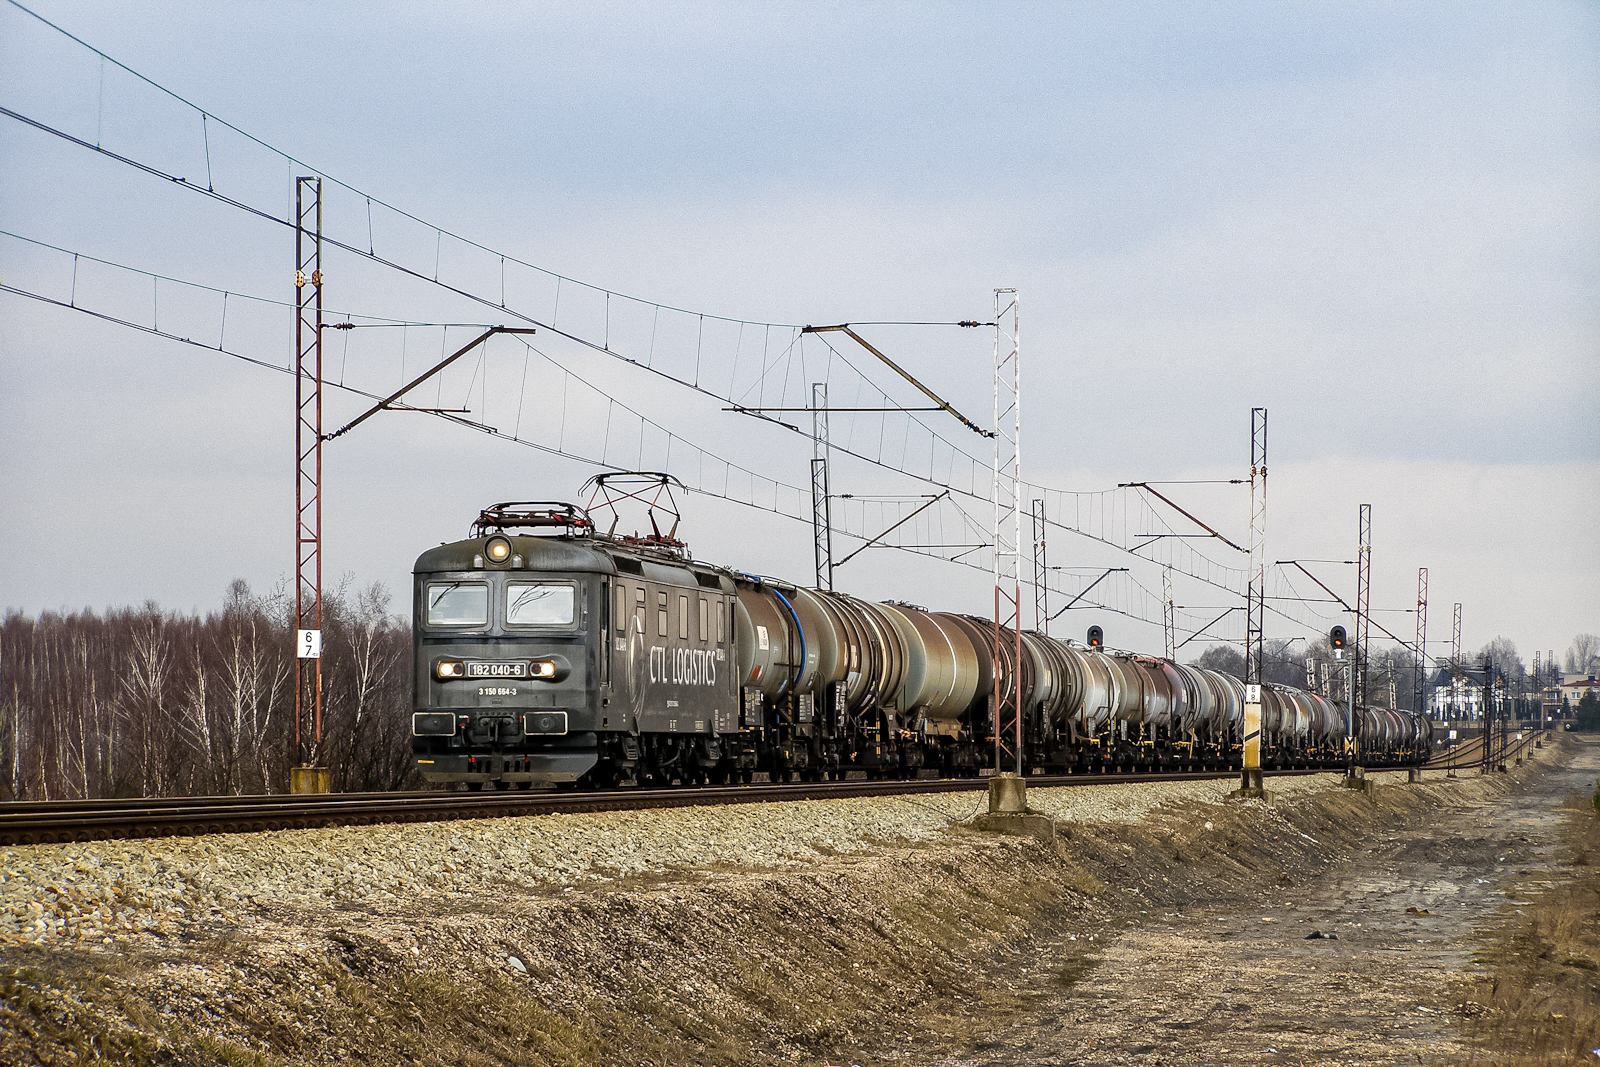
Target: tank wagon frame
{"points": [[547, 652]]}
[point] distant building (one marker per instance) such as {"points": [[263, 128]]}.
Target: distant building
{"points": [[1574, 687], [1457, 698]]}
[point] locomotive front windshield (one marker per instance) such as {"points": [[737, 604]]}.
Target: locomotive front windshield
{"points": [[453, 604], [540, 604]]}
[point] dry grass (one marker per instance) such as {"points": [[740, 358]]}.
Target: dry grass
{"points": [[1540, 1000], [906, 947]]}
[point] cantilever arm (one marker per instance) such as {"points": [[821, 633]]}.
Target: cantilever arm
{"points": [[419, 379], [1174, 506], [1085, 590], [892, 365], [893, 528]]}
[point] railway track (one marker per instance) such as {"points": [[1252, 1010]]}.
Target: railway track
{"points": [[1465, 754], [41, 822], [1469, 753]]}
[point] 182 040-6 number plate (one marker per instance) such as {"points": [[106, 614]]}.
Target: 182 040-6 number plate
{"points": [[497, 670]]}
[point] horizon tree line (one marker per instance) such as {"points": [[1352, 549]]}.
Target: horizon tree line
{"points": [[145, 702]]}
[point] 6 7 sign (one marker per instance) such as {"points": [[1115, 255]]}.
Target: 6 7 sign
{"points": [[308, 644]]}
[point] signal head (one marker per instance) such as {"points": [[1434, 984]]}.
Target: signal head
{"points": [[1097, 637], [1336, 637]]}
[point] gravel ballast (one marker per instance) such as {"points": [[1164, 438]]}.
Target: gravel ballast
{"points": [[104, 890], [855, 931]]}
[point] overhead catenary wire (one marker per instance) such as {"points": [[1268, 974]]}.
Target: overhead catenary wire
{"points": [[971, 490], [798, 514], [294, 161], [439, 231], [1196, 565], [375, 321], [1144, 615]]}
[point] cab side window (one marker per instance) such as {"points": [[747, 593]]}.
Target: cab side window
{"points": [[704, 629], [621, 615], [683, 618], [661, 614], [638, 609]]}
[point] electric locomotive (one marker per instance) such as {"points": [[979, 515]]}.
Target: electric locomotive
{"points": [[543, 651]]}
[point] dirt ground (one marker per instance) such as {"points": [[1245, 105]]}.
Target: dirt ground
{"points": [[1181, 938], [1241, 978]]}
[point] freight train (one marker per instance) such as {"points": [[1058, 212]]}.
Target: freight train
{"points": [[547, 652]]}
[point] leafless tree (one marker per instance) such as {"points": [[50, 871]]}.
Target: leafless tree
{"points": [[141, 702], [1223, 658], [1583, 655]]}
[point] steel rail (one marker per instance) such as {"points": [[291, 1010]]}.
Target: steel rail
{"points": [[37, 822]]}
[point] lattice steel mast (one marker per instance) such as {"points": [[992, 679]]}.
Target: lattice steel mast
{"points": [[1255, 593], [1169, 622], [308, 467], [821, 501], [1456, 671], [1363, 600], [1421, 658], [1006, 702], [1041, 572]]}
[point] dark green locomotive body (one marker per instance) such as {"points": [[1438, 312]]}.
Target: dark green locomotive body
{"points": [[538, 658]]}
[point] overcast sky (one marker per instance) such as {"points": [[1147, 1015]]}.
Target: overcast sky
{"points": [[1378, 221]]}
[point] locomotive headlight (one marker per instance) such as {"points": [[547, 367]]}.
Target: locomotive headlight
{"points": [[549, 669], [449, 668], [498, 549]]}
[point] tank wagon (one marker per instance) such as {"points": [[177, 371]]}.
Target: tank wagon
{"points": [[548, 652]]}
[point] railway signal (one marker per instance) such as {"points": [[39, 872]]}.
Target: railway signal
{"points": [[1097, 637], [1337, 638]]}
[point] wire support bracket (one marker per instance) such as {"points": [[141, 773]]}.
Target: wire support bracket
{"points": [[942, 404]]}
